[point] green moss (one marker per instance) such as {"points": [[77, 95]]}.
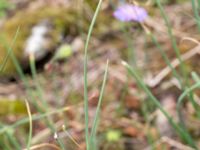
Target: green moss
{"points": [[61, 19], [8, 106], [65, 21]]}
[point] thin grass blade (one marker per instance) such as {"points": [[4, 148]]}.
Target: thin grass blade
{"points": [[183, 134], [9, 51], [85, 73], [96, 118]]}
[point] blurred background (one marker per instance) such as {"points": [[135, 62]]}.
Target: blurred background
{"points": [[42, 55]]}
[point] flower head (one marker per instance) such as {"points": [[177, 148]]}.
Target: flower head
{"points": [[128, 12]]}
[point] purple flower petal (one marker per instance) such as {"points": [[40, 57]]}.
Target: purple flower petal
{"points": [[127, 13]]}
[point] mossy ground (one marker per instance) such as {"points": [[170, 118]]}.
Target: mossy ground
{"points": [[65, 21]]}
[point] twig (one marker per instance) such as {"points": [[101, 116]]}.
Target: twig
{"points": [[30, 124], [159, 28], [175, 63], [171, 142], [35, 147], [45, 133]]}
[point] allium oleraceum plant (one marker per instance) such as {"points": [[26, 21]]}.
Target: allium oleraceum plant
{"points": [[128, 12]]}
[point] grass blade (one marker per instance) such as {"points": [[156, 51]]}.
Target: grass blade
{"points": [[9, 50], [172, 38], [94, 126], [182, 97], [30, 125], [183, 134], [196, 12], [85, 74]]}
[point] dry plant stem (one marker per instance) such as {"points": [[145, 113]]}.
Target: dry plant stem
{"points": [[66, 133], [34, 117], [197, 99], [171, 142], [44, 145], [175, 63], [173, 42], [30, 124], [45, 133], [162, 29]]}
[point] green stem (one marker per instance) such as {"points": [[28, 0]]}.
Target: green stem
{"points": [[196, 12], [173, 40], [9, 51], [85, 74], [184, 134], [165, 57], [183, 95], [94, 126]]}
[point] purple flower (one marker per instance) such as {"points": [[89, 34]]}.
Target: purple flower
{"points": [[128, 12]]}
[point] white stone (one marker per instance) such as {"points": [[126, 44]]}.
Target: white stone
{"points": [[37, 41]]}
